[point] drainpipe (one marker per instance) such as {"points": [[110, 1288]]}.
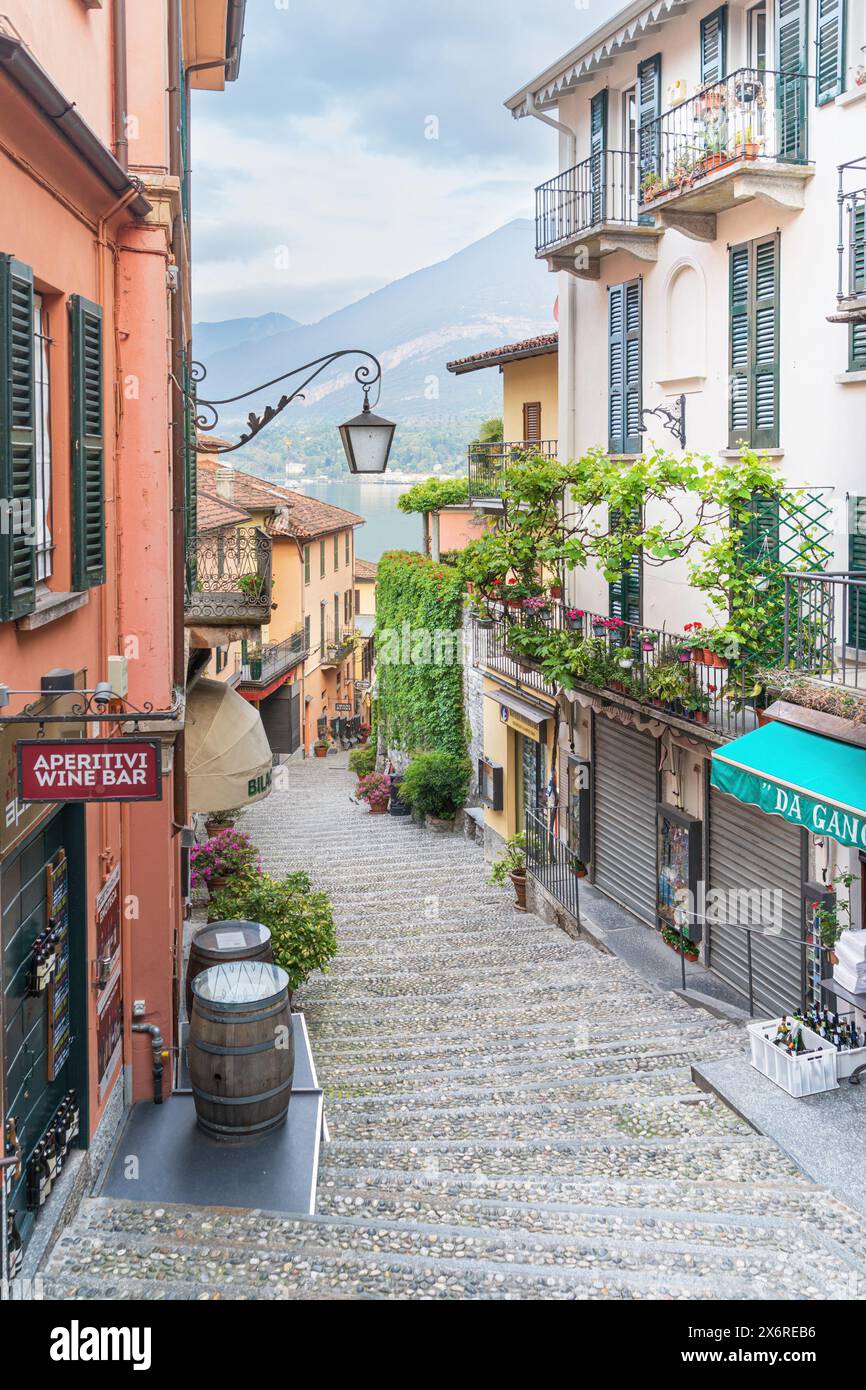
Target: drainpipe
{"points": [[178, 409], [121, 94], [567, 367], [160, 1052]]}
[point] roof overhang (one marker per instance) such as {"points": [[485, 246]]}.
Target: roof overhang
{"points": [[499, 359], [597, 52], [213, 32], [22, 68]]}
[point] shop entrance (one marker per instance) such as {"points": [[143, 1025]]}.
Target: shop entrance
{"points": [[531, 780], [44, 1033]]}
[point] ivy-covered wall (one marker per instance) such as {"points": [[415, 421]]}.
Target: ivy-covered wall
{"points": [[419, 673]]}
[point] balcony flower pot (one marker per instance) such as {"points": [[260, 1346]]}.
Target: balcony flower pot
{"points": [[320, 750], [598, 629], [626, 663], [556, 591], [519, 881], [217, 881], [702, 716], [578, 868], [684, 656]]}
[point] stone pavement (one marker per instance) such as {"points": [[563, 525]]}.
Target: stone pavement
{"points": [[511, 1114]]}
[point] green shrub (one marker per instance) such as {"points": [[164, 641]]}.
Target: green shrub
{"points": [[362, 760], [436, 784], [300, 919]]}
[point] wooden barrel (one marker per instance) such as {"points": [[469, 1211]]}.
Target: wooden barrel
{"points": [[241, 1051], [221, 942]]}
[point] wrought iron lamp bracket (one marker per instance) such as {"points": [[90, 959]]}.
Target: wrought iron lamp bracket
{"points": [[673, 420], [92, 706], [368, 375]]}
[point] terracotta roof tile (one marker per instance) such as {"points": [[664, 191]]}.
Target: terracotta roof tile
{"points": [[294, 513], [212, 513], [509, 352], [365, 569]]}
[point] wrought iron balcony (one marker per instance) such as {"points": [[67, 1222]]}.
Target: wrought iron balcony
{"points": [[659, 670], [488, 462], [338, 643], [851, 243], [228, 579], [266, 664], [825, 628], [738, 139], [591, 210]]}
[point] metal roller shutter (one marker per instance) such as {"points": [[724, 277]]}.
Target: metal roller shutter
{"points": [[754, 852], [281, 719], [625, 790]]}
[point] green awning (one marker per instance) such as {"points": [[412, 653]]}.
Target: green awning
{"points": [[810, 781]]}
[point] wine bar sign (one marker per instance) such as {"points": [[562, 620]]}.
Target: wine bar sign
{"points": [[96, 769]]}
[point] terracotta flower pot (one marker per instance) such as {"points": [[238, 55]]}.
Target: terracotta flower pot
{"points": [[832, 957], [702, 716], [320, 752], [377, 810], [556, 591], [217, 881], [519, 881]]}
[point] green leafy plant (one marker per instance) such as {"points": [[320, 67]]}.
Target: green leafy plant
{"points": [[667, 682], [252, 586], [300, 919], [511, 861], [434, 493], [375, 789], [362, 760], [436, 784], [834, 917]]}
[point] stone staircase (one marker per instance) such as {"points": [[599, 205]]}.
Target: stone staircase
{"points": [[511, 1115]]}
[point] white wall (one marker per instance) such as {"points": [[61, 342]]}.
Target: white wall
{"points": [[685, 303]]}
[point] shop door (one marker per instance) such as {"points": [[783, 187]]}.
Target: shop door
{"points": [[754, 877], [44, 1035], [625, 793], [281, 718], [531, 779]]}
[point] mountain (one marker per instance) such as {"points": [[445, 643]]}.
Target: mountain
{"points": [[208, 338], [492, 292]]}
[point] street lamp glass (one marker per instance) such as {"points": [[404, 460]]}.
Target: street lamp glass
{"points": [[367, 441]]}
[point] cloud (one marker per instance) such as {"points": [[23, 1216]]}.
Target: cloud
{"points": [[362, 142]]}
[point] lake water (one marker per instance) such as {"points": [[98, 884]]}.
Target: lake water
{"points": [[386, 528]]}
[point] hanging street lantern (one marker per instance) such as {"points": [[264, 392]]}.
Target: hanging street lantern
{"points": [[367, 440]]}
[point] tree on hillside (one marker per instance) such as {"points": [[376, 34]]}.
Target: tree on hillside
{"points": [[490, 432]]}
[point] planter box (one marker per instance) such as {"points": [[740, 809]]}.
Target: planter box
{"points": [[809, 1074], [846, 1062]]}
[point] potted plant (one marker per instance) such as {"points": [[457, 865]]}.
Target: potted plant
{"points": [[320, 747], [648, 640], [697, 705], [624, 658], [578, 868], [745, 146], [599, 627], [827, 916], [375, 789], [435, 785], [227, 854], [215, 821], [512, 864], [680, 943], [556, 591], [721, 645], [299, 917], [693, 636], [362, 761], [574, 619], [667, 684], [252, 586], [682, 652], [536, 605]]}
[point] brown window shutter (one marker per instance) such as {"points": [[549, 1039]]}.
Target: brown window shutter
{"points": [[532, 421]]}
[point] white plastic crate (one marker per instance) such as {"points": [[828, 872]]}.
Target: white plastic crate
{"points": [[807, 1075], [846, 1062]]}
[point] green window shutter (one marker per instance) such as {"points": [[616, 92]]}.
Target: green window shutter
{"points": [[17, 440], [857, 347], [857, 240], [753, 410], [633, 359], [306, 564], [760, 540], [857, 563], [321, 559], [597, 147], [88, 445], [649, 103], [714, 43], [830, 81], [765, 344], [616, 369], [792, 33], [624, 594], [738, 361]]}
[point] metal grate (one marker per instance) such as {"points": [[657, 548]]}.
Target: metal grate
{"points": [[552, 862]]}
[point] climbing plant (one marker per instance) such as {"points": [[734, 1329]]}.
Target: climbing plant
{"points": [[434, 493], [419, 674]]}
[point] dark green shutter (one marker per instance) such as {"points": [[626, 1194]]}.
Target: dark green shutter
{"points": [[714, 43], [649, 100], [831, 50], [597, 146], [857, 347], [17, 440], [624, 368], [792, 31], [88, 445], [760, 538], [754, 344], [624, 594], [857, 564], [857, 238]]}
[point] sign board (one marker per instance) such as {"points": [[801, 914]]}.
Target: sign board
{"points": [[343, 707], [108, 922], [93, 769], [109, 1033], [522, 725]]}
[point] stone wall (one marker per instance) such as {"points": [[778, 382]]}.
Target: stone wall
{"points": [[473, 703]]}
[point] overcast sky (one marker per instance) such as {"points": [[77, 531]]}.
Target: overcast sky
{"points": [[315, 180]]}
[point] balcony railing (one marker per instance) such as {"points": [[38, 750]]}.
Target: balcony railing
{"points": [[228, 579], [600, 191], [337, 645], [274, 659], [551, 860], [825, 627], [851, 246], [655, 668], [488, 462], [753, 117]]}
